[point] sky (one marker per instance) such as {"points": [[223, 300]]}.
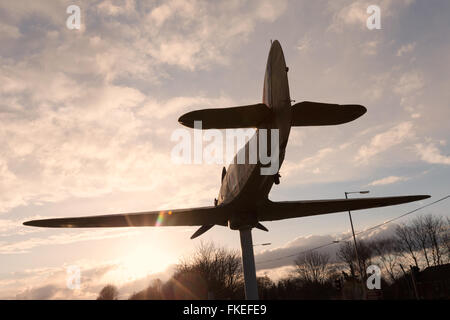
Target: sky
{"points": [[86, 119]]}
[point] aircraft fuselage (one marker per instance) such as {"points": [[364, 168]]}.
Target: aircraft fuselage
{"points": [[244, 188]]}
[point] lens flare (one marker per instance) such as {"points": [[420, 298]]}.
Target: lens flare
{"points": [[160, 219]]}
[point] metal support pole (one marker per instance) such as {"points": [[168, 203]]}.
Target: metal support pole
{"points": [[356, 252], [248, 263]]}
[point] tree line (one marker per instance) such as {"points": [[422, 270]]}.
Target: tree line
{"points": [[216, 273]]}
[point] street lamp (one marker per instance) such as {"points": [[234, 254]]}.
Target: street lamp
{"points": [[353, 232], [263, 244]]}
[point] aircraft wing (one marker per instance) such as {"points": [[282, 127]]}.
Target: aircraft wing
{"points": [[294, 209], [178, 217], [223, 118], [308, 113]]}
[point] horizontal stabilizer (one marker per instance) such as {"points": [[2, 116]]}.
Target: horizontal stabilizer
{"points": [[227, 118], [309, 113], [178, 217], [201, 230], [294, 209]]}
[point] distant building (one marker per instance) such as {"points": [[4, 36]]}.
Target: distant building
{"points": [[434, 282]]}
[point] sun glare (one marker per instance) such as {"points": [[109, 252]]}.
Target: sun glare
{"points": [[141, 262]]}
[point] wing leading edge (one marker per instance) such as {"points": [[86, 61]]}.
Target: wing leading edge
{"points": [[295, 209], [219, 215], [179, 217]]}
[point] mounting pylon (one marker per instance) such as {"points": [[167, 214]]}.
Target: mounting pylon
{"points": [[248, 263]]}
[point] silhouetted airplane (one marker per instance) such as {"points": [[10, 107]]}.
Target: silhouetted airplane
{"points": [[243, 201]]}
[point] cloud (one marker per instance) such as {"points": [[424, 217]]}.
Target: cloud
{"points": [[409, 83], [51, 282], [407, 48], [9, 31], [188, 35], [209, 29], [86, 126], [328, 165], [285, 255], [128, 288], [276, 274], [24, 246], [69, 148], [304, 44], [378, 85], [42, 293], [383, 141], [431, 154], [345, 157], [161, 14], [175, 106], [23, 9], [387, 180], [354, 13], [138, 42], [10, 227], [370, 47], [109, 8], [66, 138], [270, 11], [99, 144], [309, 163]]}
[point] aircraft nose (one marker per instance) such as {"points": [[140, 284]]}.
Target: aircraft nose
{"points": [[275, 50], [275, 44]]}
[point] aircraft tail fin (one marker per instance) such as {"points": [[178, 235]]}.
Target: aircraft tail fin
{"points": [[309, 113], [227, 118]]}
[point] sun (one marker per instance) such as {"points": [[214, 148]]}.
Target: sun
{"points": [[143, 261]]}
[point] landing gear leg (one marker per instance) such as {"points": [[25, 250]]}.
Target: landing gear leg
{"points": [[248, 262]]}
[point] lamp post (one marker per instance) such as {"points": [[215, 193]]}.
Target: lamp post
{"points": [[262, 244], [354, 236]]}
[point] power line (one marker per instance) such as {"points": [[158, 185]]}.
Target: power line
{"points": [[360, 232]]}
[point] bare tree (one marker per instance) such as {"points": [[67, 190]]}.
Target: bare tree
{"points": [[313, 266], [365, 254], [387, 252], [435, 229], [219, 268], [446, 238], [406, 243], [347, 254], [153, 292], [421, 237], [109, 292], [265, 286]]}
